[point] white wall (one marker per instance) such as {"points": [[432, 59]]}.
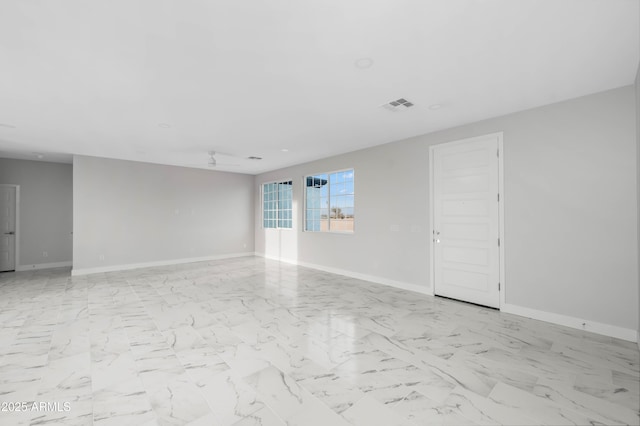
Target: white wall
{"points": [[138, 213], [637, 86], [570, 207], [45, 210], [390, 182]]}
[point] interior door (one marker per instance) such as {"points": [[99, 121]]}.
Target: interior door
{"points": [[7, 228], [466, 225]]}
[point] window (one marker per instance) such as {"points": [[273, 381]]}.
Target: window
{"points": [[330, 202], [276, 205]]}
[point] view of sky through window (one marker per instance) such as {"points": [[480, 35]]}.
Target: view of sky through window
{"points": [[330, 202]]}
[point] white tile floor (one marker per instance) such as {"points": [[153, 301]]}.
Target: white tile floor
{"points": [[254, 342]]}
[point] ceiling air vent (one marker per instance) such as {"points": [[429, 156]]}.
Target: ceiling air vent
{"points": [[398, 105], [254, 158]]}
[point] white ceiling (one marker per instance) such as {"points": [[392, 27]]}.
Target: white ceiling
{"points": [[249, 77]]}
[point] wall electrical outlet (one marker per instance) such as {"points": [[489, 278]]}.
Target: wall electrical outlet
{"points": [[45, 254], [101, 257]]}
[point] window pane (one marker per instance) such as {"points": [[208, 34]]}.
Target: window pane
{"points": [[265, 190], [329, 202], [344, 203], [277, 204]]}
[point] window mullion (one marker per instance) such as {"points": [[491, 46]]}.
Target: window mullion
{"points": [[329, 202]]}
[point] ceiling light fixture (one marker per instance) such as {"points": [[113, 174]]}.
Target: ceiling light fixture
{"points": [[435, 106], [38, 155], [164, 125], [364, 63], [284, 150]]}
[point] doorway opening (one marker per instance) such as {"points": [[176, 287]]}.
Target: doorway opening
{"points": [[9, 202]]}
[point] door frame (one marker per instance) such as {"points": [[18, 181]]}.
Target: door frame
{"points": [[501, 268], [16, 257]]}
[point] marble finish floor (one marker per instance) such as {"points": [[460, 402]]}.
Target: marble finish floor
{"points": [[250, 341]]}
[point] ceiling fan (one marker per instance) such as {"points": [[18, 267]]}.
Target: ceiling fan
{"points": [[213, 161]]}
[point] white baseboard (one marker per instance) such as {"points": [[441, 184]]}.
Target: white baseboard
{"points": [[573, 322], [125, 267], [43, 266], [356, 275]]}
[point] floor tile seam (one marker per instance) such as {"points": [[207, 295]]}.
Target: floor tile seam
{"points": [[57, 327], [547, 402], [612, 365], [300, 408], [266, 406], [460, 363], [201, 393], [96, 422], [129, 351], [606, 402], [465, 416], [91, 355], [173, 351]]}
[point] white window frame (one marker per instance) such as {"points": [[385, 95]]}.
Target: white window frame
{"points": [[277, 218], [329, 173]]}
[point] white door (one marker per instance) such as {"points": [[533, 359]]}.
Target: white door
{"points": [[7, 228], [466, 227]]}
